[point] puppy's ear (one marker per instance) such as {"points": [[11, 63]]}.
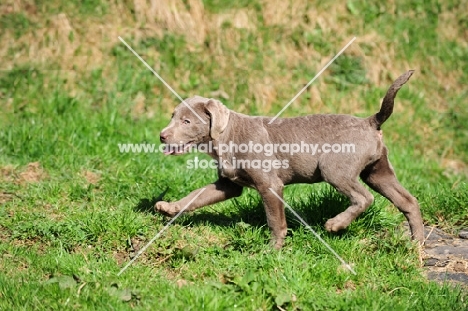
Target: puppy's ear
{"points": [[219, 117]]}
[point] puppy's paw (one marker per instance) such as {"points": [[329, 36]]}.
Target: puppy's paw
{"points": [[277, 243], [277, 238], [166, 208], [336, 224]]}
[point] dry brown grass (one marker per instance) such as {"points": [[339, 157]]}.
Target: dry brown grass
{"points": [[174, 16], [92, 39], [89, 48], [449, 28]]}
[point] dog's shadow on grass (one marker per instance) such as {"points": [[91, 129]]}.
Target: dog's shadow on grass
{"points": [[147, 205], [314, 209]]}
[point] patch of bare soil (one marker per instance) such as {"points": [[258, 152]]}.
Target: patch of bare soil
{"points": [[7, 173], [39, 246], [120, 257], [4, 237], [123, 256], [5, 197], [91, 177], [446, 256], [33, 173]]}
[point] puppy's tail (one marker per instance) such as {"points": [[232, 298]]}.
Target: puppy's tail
{"points": [[387, 104]]}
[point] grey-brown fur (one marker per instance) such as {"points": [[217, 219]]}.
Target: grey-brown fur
{"points": [[341, 170]]}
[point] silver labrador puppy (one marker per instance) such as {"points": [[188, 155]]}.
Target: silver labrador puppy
{"points": [[224, 129]]}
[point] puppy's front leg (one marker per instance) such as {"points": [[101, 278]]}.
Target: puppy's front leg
{"points": [[221, 190], [276, 218]]}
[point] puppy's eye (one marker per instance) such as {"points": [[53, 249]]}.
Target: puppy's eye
{"points": [[186, 121]]}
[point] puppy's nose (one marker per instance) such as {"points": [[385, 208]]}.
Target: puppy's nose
{"points": [[163, 136]]}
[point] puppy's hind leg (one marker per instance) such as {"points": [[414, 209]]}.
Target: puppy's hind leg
{"points": [[359, 196], [381, 178], [344, 178]]}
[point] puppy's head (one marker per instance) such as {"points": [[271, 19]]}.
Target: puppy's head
{"points": [[195, 121]]}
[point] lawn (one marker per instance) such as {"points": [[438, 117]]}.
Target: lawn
{"points": [[74, 210]]}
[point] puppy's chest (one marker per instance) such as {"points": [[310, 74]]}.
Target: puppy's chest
{"points": [[232, 172]]}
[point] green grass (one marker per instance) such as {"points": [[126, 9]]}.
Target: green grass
{"points": [[16, 22], [69, 224]]}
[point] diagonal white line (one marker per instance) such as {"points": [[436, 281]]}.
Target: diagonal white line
{"points": [[161, 79], [315, 233], [160, 232], [311, 81]]}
